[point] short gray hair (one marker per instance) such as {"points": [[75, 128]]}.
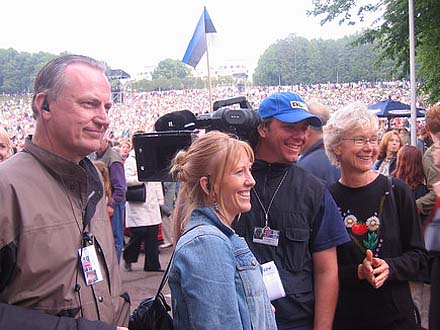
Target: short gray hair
{"points": [[50, 79], [353, 117]]}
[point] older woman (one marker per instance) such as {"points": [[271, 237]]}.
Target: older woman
{"points": [[215, 280], [381, 218], [5, 145], [389, 146]]}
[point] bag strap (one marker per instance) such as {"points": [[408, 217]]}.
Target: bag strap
{"points": [[165, 275], [391, 191]]}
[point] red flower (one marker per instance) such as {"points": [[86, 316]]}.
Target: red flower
{"points": [[359, 229]]}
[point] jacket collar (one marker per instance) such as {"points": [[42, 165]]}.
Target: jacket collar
{"points": [[261, 165], [207, 216], [54, 163], [65, 170]]}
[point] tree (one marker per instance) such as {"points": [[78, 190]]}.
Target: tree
{"points": [[18, 70], [169, 69], [296, 60], [391, 33]]}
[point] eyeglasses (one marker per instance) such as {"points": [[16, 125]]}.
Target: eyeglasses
{"points": [[361, 141]]}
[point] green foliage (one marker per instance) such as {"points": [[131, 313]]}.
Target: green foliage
{"points": [[170, 69], [296, 60], [18, 70], [391, 33]]}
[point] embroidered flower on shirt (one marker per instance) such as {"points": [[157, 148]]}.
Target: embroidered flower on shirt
{"points": [[373, 223], [350, 220]]}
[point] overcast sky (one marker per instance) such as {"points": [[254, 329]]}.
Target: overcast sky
{"points": [[133, 34]]}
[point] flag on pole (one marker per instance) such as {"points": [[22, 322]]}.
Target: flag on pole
{"points": [[198, 45]]}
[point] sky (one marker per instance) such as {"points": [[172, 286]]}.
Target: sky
{"points": [[133, 34]]}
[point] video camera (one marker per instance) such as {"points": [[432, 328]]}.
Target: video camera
{"points": [[175, 131]]}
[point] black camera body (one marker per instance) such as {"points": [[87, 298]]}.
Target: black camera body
{"points": [[175, 131]]}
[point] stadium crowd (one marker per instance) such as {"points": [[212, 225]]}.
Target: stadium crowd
{"points": [[139, 111]]}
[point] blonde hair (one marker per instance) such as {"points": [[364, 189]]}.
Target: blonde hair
{"points": [[102, 167], [383, 146], [4, 136], [212, 155]]}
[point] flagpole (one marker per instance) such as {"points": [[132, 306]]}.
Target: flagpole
{"points": [[412, 69], [209, 75]]}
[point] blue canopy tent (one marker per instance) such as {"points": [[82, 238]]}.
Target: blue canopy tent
{"points": [[391, 109]]}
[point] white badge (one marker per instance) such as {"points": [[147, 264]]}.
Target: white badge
{"points": [[265, 235], [272, 281], [90, 265]]}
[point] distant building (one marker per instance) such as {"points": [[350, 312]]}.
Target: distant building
{"points": [[146, 73]]}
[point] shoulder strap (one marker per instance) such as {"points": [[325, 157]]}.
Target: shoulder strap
{"points": [[391, 191], [395, 209], [165, 275]]}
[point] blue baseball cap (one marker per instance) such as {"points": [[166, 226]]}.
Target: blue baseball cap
{"points": [[287, 107]]}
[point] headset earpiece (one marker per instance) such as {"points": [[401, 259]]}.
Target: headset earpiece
{"points": [[45, 105], [208, 183]]}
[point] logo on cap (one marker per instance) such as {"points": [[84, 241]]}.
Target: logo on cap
{"points": [[298, 104]]}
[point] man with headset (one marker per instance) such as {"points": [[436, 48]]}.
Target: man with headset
{"points": [[58, 266]]}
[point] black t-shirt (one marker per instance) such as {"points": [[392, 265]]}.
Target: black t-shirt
{"points": [[391, 229]]}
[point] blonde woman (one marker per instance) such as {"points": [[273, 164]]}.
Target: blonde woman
{"points": [[389, 146], [215, 280], [5, 145]]}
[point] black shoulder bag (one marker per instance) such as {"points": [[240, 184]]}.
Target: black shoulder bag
{"points": [[136, 193], [153, 312]]}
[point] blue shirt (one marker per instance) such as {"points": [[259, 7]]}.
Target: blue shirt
{"points": [[315, 160], [215, 280]]}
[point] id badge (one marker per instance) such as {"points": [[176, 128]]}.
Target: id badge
{"points": [[266, 236], [90, 265], [272, 281]]}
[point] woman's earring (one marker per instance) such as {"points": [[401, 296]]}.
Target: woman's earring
{"points": [[216, 206]]}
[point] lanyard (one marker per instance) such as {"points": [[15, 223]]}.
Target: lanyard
{"points": [[266, 212]]}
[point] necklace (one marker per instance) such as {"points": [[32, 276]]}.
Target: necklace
{"points": [[266, 212]]}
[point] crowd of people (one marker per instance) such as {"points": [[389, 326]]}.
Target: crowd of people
{"points": [[139, 111], [319, 225]]}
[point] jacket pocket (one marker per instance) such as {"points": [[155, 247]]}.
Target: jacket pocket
{"points": [[245, 259], [295, 249], [250, 277], [249, 271]]}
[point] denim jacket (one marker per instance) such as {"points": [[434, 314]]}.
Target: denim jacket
{"points": [[215, 280]]}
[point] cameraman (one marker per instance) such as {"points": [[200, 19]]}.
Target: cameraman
{"points": [[299, 219], [53, 212]]}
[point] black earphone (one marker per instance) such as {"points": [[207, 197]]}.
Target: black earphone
{"points": [[45, 105], [208, 183]]}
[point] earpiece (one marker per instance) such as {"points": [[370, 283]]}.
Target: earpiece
{"points": [[208, 183], [45, 105]]}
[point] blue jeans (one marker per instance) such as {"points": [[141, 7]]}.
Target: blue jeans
{"points": [[118, 228]]}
